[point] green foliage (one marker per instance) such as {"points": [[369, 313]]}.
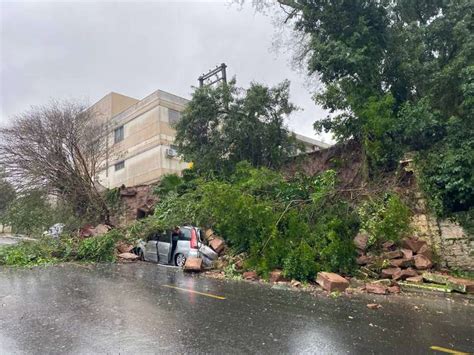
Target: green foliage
{"points": [[100, 248], [386, 218], [298, 225], [7, 195], [30, 213], [300, 263], [224, 125], [398, 76], [112, 199]]}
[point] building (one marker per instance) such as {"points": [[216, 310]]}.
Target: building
{"points": [[140, 142]]}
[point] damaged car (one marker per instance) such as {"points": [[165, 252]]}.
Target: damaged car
{"points": [[175, 246]]}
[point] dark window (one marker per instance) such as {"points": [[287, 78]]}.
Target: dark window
{"points": [[173, 116], [118, 134], [164, 238], [185, 234], [120, 165]]}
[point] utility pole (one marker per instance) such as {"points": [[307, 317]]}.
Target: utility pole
{"points": [[214, 76]]}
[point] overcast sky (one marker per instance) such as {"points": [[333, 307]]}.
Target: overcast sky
{"points": [[84, 50]]}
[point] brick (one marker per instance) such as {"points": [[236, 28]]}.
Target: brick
{"points": [[413, 244], [250, 275], [331, 281], [407, 253], [276, 276], [376, 288], [217, 245], [422, 262], [393, 254], [193, 264], [389, 272]]}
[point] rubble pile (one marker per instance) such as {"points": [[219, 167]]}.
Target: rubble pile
{"points": [[407, 267]]}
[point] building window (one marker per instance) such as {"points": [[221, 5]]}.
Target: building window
{"points": [[120, 165], [173, 116], [118, 134]]}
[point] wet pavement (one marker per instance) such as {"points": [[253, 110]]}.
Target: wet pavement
{"points": [[143, 308]]}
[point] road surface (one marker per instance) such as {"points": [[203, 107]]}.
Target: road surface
{"points": [[143, 308]]}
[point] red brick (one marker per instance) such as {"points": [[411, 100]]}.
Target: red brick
{"points": [[422, 262], [250, 275], [413, 244], [389, 272], [217, 245], [276, 276], [331, 281], [376, 288]]}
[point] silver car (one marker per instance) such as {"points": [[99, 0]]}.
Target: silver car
{"points": [[174, 247]]}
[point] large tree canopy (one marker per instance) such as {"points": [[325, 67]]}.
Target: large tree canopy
{"points": [[398, 76], [224, 125]]}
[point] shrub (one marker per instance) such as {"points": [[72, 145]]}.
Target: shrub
{"points": [[300, 263], [100, 248], [386, 218]]}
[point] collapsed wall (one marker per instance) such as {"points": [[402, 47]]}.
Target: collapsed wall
{"points": [[452, 244], [135, 202]]}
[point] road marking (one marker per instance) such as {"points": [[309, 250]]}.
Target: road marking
{"points": [[197, 292], [449, 351]]}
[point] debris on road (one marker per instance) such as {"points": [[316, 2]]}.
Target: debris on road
{"points": [[374, 306], [277, 276], [193, 264], [250, 275], [128, 256], [331, 281]]}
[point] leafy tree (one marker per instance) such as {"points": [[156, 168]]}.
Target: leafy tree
{"points": [[226, 124], [398, 76]]}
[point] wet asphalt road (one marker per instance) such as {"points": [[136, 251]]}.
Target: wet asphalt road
{"points": [[127, 309]]}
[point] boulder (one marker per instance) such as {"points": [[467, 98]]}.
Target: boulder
{"points": [[392, 254], [422, 262], [331, 281], [425, 250], [276, 276], [128, 256], [407, 253], [193, 264], [404, 274], [376, 288], [414, 244], [415, 279], [250, 275], [360, 240], [217, 245], [389, 272]]}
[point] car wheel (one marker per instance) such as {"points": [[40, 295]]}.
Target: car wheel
{"points": [[179, 260]]}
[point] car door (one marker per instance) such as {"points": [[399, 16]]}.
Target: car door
{"points": [[150, 248], [164, 245]]}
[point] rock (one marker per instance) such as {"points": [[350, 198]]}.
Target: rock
{"points": [[217, 245], [392, 254], [415, 279], [388, 273], [193, 264], [376, 288], [413, 244], [388, 246], [393, 289], [404, 274], [425, 250], [124, 247], [374, 306], [363, 260], [128, 256], [360, 240], [422, 262], [331, 281], [250, 275], [276, 276], [407, 253], [401, 262]]}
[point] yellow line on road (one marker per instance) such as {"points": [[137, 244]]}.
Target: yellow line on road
{"points": [[197, 292], [449, 351]]}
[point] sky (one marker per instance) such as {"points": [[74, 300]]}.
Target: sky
{"points": [[84, 50]]}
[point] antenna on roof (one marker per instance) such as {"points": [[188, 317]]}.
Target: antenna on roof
{"points": [[214, 76]]}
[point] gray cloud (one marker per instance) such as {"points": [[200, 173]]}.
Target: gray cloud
{"points": [[84, 50]]}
